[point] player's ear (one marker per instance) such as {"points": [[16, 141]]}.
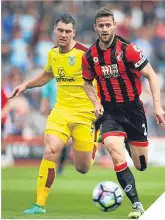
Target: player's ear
{"points": [[54, 29], [74, 32], [94, 26]]}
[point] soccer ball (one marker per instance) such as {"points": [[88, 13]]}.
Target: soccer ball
{"points": [[107, 196]]}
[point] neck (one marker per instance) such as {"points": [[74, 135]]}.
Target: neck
{"points": [[67, 48], [103, 45]]}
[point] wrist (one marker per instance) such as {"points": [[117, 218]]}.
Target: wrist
{"points": [[26, 84], [96, 103], [157, 104], [155, 101]]}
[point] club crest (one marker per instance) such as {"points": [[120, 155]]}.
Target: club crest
{"points": [[119, 55], [72, 60]]}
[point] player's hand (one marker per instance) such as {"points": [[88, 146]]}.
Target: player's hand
{"points": [[18, 90], [99, 110], [159, 115]]}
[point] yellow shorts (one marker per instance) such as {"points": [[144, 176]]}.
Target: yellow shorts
{"points": [[78, 125]]}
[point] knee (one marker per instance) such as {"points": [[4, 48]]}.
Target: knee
{"points": [[142, 166], [51, 154], [82, 169], [48, 151]]}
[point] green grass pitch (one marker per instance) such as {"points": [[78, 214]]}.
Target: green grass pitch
{"points": [[71, 195]]}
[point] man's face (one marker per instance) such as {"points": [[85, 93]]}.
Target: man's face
{"points": [[105, 28], [64, 33]]}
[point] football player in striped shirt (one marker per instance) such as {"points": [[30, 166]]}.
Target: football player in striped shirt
{"points": [[117, 65]]}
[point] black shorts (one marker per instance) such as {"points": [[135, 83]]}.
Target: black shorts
{"points": [[126, 120]]}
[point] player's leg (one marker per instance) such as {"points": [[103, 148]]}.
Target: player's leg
{"points": [[84, 155], [61, 161], [82, 160], [139, 154], [113, 136], [47, 171], [115, 146], [56, 136], [137, 144], [84, 147]]}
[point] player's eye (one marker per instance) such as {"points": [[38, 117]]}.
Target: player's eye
{"points": [[60, 30], [101, 25], [68, 31]]}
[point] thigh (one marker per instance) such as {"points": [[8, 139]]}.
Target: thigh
{"points": [[136, 126], [57, 125], [83, 142], [82, 158], [82, 133], [110, 126]]}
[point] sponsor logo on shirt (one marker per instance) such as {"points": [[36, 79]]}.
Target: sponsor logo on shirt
{"points": [[62, 77], [110, 71]]}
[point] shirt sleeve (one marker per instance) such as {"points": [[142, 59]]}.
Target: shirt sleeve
{"points": [[87, 74], [135, 56], [48, 67]]}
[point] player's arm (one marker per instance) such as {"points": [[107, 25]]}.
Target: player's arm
{"points": [[38, 81], [44, 105], [150, 74], [135, 55], [91, 91], [89, 88]]}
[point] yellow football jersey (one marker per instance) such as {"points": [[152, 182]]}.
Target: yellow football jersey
{"points": [[66, 68]]}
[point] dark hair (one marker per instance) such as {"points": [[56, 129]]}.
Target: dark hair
{"points": [[67, 19], [104, 12]]}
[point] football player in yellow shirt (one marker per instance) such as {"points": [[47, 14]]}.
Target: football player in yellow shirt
{"points": [[73, 113]]}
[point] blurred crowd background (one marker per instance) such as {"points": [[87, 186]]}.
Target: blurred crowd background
{"points": [[27, 35]]}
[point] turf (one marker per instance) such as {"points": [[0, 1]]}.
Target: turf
{"points": [[71, 195]]}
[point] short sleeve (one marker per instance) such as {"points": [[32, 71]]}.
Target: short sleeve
{"points": [[87, 74], [135, 56], [48, 67]]}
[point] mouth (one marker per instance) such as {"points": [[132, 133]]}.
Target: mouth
{"points": [[62, 41], [105, 35]]}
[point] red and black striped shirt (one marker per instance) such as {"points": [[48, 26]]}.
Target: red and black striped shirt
{"points": [[116, 70]]}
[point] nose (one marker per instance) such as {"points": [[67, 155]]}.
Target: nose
{"points": [[63, 34], [104, 29]]}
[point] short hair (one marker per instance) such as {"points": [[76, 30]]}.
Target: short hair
{"points": [[104, 12], [67, 19]]}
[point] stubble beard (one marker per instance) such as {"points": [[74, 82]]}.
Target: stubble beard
{"points": [[62, 47], [106, 42]]}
